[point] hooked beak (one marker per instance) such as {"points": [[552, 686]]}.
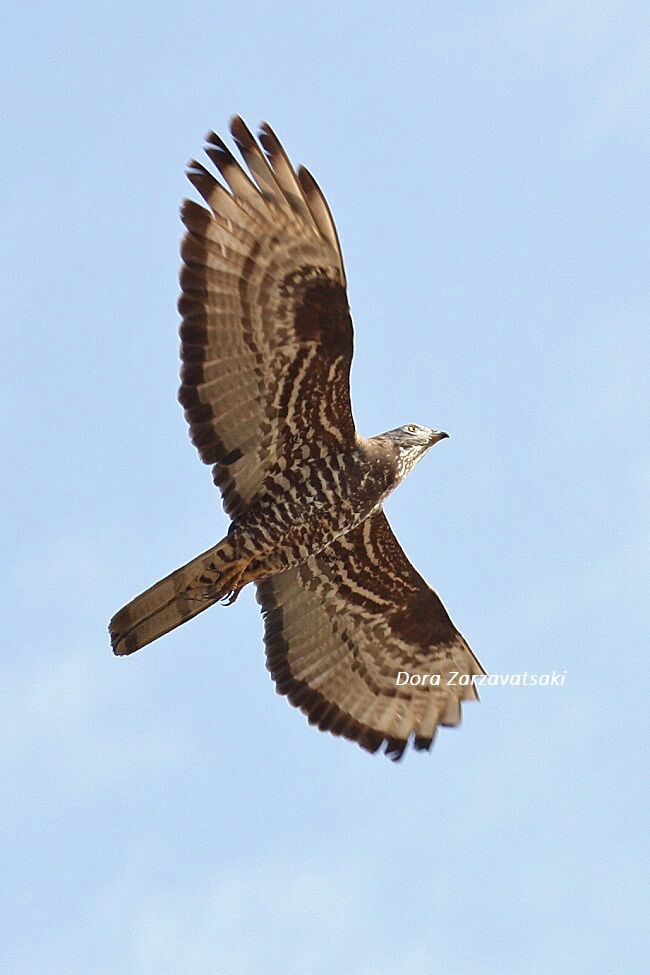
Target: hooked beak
{"points": [[437, 436]]}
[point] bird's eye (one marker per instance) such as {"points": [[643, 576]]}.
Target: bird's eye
{"points": [[411, 428]]}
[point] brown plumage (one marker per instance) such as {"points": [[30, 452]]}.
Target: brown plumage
{"points": [[266, 348]]}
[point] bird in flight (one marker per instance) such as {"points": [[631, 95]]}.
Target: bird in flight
{"points": [[266, 347]]}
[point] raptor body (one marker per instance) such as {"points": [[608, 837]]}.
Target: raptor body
{"points": [[266, 348]]}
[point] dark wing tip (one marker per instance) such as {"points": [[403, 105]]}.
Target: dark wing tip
{"points": [[193, 215], [212, 139], [395, 748], [200, 178], [218, 151], [422, 744], [267, 135], [240, 131], [306, 179]]}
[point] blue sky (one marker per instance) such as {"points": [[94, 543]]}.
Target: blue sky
{"points": [[487, 169]]}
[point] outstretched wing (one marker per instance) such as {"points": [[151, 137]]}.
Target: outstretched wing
{"points": [[266, 333], [342, 626]]}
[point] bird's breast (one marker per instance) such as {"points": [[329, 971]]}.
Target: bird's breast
{"points": [[312, 504]]}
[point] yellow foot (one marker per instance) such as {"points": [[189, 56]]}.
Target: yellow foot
{"points": [[231, 580], [230, 597], [239, 574]]}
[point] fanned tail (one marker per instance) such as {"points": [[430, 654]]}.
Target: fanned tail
{"points": [[174, 600]]}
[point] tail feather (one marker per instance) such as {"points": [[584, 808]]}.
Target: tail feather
{"points": [[172, 601]]}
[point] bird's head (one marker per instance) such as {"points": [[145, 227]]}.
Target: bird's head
{"points": [[412, 442]]}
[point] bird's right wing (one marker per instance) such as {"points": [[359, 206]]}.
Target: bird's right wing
{"points": [[340, 628], [266, 333]]}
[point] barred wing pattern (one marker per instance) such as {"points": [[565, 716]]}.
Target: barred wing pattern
{"points": [[266, 333], [339, 628]]}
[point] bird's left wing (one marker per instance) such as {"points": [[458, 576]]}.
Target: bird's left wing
{"points": [[340, 628], [266, 336]]}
